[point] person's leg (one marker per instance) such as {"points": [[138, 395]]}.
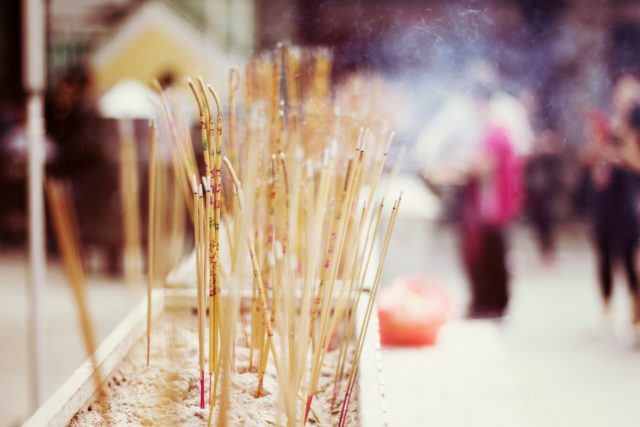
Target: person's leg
{"points": [[491, 296], [542, 223], [499, 276], [548, 244], [629, 258], [475, 266], [605, 279], [471, 248]]}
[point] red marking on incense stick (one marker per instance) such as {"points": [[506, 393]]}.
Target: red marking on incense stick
{"points": [[307, 408], [334, 395], [343, 411], [345, 406], [201, 389]]}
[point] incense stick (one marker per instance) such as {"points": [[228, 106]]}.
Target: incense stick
{"points": [[369, 310], [197, 231], [65, 230], [151, 228], [132, 258], [305, 224]]}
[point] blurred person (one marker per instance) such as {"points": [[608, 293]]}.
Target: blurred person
{"points": [[543, 186], [490, 202], [70, 112], [614, 164], [542, 178], [474, 144]]}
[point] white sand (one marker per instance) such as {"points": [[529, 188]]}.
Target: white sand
{"points": [[168, 391]]}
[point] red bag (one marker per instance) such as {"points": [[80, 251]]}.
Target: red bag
{"points": [[411, 312]]}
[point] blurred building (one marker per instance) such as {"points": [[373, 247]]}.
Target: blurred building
{"points": [[148, 39], [92, 47]]}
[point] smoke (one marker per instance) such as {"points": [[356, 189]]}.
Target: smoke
{"points": [[555, 52]]}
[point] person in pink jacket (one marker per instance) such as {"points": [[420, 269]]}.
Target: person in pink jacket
{"points": [[490, 201]]}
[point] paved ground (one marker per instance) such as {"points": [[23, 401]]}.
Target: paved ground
{"points": [[540, 367]]}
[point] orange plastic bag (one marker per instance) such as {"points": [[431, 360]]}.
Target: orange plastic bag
{"points": [[411, 312]]}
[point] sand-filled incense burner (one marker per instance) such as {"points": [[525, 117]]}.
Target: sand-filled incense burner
{"points": [[166, 392]]}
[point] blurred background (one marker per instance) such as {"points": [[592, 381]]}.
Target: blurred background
{"points": [[538, 327]]}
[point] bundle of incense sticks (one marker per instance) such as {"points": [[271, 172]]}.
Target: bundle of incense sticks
{"points": [[300, 207]]}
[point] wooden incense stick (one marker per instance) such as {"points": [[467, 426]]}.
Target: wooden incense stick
{"points": [[197, 231], [182, 169], [151, 229], [266, 315], [306, 225], [216, 189], [132, 253], [207, 144], [234, 84], [358, 291], [65, 229], [369, 310]]}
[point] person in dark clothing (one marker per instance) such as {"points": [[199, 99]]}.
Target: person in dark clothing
{"points": [[614, 161], [543, 187], [484, 251], [490, 200], [615, 224]]}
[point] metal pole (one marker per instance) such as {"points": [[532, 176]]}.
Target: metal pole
{"points": [[33, 81]]}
